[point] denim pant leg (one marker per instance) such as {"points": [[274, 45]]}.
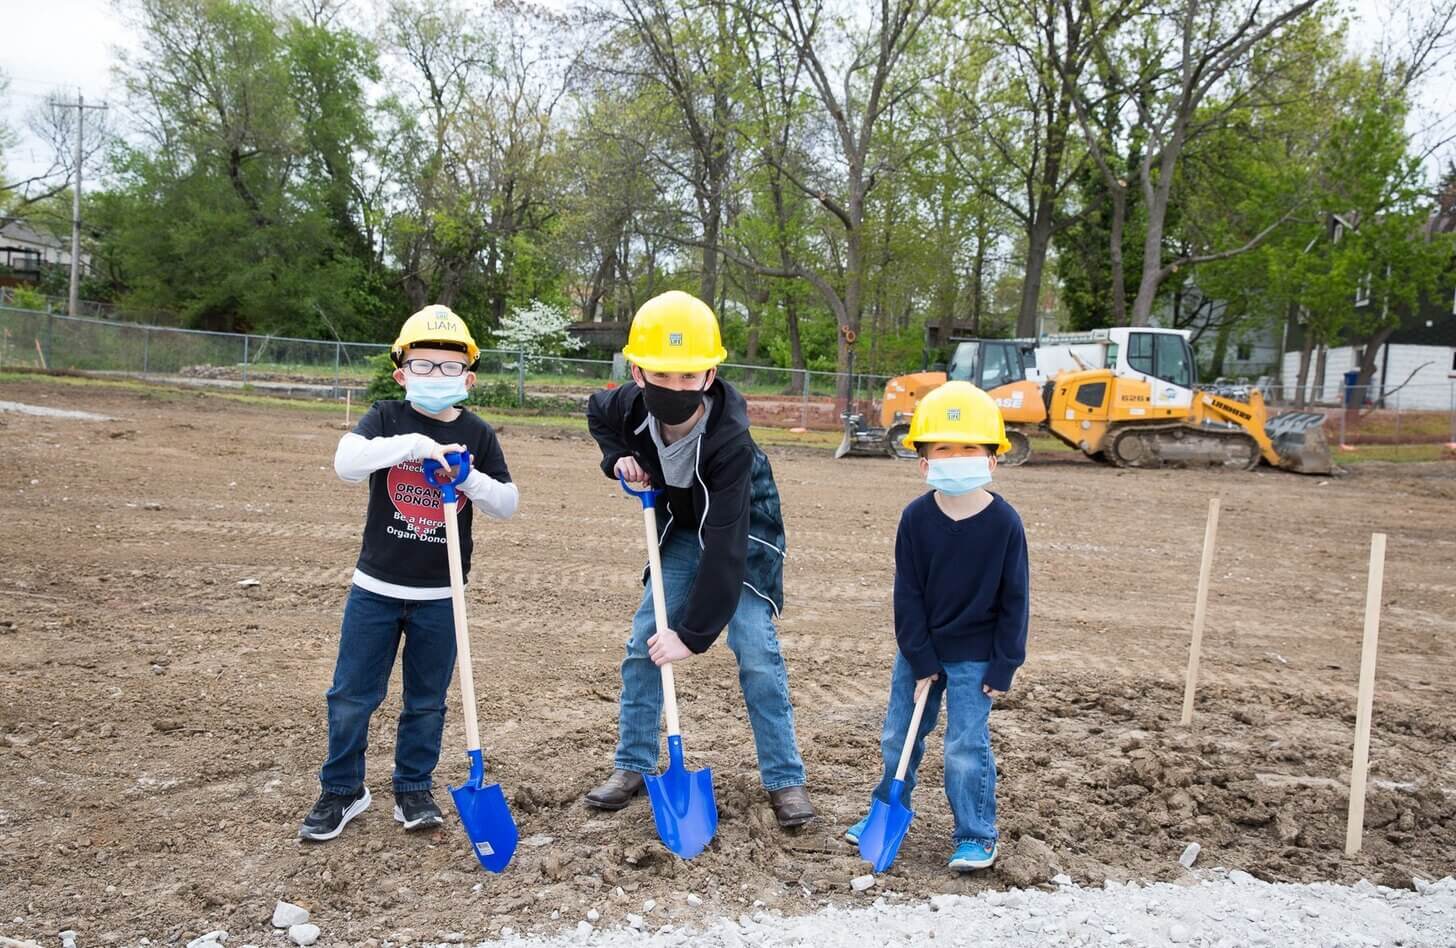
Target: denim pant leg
{"points": [[368, 641], [897, 722], [765, 684], [640, 715], [970, 770], [429, 663]]}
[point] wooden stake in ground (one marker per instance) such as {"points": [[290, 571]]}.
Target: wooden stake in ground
{"points": [[1365, 699], [348, 405], [1210, 534], [40, 355]]}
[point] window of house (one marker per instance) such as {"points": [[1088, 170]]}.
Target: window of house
{"points": [[1245, 352], [1362, 291]]}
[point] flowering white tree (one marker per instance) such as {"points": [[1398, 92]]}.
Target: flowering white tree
{"points": [[537, 330]]}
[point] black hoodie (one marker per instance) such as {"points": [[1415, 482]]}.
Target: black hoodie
{"points": [[733, 504]]}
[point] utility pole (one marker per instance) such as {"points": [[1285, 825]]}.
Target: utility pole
{"points": [[80, 106]]}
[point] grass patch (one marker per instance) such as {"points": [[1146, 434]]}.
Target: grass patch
{"points": [[1390, 452]]}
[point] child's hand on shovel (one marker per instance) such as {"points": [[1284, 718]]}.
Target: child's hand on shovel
{"points": [[666, 647], [446, 474], [630, 471]]}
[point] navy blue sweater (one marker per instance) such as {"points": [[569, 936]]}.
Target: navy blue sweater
{"points": [[962, 589]]}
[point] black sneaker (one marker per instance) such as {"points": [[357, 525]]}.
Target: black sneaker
{"points": [[416, 810], [332, 813]]}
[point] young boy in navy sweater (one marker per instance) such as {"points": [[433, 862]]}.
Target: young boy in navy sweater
{"points": [[961, 611]]}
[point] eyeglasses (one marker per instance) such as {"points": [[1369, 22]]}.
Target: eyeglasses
{"points": [[426, 366]]}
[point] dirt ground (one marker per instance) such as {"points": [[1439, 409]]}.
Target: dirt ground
{"points": [[162, 725]]}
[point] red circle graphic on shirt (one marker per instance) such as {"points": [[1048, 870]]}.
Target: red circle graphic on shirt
{"points": [[417, 501]]}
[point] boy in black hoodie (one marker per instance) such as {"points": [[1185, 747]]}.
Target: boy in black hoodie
{"points": [[681, 429]]}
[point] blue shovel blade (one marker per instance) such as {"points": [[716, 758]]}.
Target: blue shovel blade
{"points": [[486, 817], [682, 804], [886, 828]]}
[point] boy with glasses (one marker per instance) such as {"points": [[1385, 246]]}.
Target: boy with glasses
{"points": [[401, 585]]}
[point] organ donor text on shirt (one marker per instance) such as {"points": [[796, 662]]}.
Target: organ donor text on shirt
{"points": [[416, 502]]}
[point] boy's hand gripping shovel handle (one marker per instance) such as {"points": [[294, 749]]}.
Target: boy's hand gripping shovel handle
{"points": [[921, 694], [460, 460], [659, 598]]}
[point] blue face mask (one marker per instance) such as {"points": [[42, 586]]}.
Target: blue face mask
{"points": [[957, 476], [434, 395]]}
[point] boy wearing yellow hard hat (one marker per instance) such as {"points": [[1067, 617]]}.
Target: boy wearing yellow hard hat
{"points": [[962, 599], [401, 587], [685, 431]]}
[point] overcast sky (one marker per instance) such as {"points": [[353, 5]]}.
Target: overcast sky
{"points": [[73, 44]]}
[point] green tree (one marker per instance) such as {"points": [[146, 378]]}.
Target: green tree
{"points": [[238, 207]]}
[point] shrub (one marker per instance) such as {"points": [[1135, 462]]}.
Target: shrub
{"points": [[538, 330]]}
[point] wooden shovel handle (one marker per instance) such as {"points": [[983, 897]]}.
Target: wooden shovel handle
{"points": [[462, 630], [920, 698], [659, 613]]}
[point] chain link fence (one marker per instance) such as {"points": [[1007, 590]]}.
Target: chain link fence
{"points": [[1372, 415], [1355, 415], [314, 368]]}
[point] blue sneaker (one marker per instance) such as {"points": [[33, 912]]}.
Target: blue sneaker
{"points": [[973, 854], [853, 833]]}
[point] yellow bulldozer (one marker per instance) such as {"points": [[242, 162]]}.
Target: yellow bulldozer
{"points": [[1125, 396], [1002, 367]]}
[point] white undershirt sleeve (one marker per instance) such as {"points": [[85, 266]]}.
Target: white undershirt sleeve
{"points": [[357, 456], [490, 495]]}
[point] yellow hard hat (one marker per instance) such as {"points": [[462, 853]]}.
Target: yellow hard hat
{"points": [[675, 332], [958, 413], [434, 324]]}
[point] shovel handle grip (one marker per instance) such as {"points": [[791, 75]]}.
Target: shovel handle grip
{"points": [[460, 461], [648, 495]]}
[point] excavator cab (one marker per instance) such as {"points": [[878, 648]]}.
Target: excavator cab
{"points": [[989, 363], [1005, 368]]}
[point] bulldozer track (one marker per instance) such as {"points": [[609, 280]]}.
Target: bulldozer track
{"points": [[1180, 445]]}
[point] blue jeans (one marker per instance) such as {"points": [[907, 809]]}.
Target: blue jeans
{"points": [[368, 642], [970, 771], [761, 675]]}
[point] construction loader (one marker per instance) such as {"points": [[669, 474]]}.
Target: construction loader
{"points": [[1143, 410], [1005, 368], [1154, 416]]}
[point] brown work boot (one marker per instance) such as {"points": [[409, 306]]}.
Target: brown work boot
{"points": [[617, 792], [791, 806]]}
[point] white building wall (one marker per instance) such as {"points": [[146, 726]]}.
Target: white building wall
{"points": [[1430, 386], [1430, 389]]}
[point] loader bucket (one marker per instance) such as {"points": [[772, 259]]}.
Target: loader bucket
{"points": [[846, 445], [860, 438], [1299, 438]]}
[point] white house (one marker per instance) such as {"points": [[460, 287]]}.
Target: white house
{"points": [[24, 250], [1407, 376]]}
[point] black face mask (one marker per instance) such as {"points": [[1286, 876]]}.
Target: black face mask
{"points": [[669, 405]]}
